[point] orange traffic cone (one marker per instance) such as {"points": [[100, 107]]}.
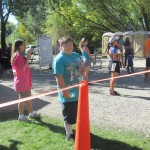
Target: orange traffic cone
{"points": [[82, 139]]}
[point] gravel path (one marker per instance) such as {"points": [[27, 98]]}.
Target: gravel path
{"points": [[130, 111]]}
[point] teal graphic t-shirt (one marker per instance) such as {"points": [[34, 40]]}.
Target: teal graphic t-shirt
{"points": [[69, 67]]}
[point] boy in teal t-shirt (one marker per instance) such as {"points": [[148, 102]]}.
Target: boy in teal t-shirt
{"points": [[67, 67]]}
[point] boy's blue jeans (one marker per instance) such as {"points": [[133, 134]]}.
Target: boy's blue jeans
{"points": [[130, 63]]}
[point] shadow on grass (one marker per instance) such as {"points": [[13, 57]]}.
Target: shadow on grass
{"points": [[13, 145], [97, 143], [52, 127]]}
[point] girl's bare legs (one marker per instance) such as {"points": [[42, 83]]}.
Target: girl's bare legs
{"points": [[21, 106], [30, 110], [122, 63], [86, 74], [113, 81], [29, 106]]}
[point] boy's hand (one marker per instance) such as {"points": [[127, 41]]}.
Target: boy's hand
{"points": [[66, 94], [82, 70], [61, 83]]}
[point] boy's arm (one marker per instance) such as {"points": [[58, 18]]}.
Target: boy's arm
{"points": [[60, 81], [27, 59]]}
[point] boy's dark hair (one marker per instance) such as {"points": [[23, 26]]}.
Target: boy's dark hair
{"points": [[65, 40]]}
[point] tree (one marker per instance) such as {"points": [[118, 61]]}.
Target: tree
{"points": [[92, 18], [16, 7]]}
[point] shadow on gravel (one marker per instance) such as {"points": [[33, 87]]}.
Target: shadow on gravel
{"points": [[99, 143], [13, 145], [11, 112], [130, 83], [137, 97]]}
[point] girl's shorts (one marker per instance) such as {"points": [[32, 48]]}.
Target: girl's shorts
{"points": [[69, 111], [114, 66], [25, 94]]}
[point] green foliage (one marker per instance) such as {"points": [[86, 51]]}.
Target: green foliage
{"points": [[22, 32], [10, 28], [81, 18], [18, 8]]}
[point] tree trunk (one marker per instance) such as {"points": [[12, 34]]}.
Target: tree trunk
{"points": [[3, 36], [3, 29]]}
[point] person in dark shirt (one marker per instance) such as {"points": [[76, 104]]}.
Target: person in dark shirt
{"points": [[129, 54], [121, 45]]}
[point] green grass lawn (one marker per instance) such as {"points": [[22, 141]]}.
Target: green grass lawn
{"points": [[49, 134]]}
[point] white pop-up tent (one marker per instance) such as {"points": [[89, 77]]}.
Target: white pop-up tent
{"points": [[105, 40], [139, 38], [136, 38], [117, 34]]}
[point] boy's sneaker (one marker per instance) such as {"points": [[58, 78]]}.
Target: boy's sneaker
{"points": [[25, 119], [33, 115], [70, 137]]}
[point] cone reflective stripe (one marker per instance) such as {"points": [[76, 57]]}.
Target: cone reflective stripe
{"points": [[82, 139]]}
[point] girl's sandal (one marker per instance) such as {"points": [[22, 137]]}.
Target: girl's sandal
{"points": [[114, 93]]}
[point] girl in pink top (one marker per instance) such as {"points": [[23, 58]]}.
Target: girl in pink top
{"points": [[22, 79]]}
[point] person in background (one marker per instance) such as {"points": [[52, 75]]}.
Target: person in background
{"points": [[9, 49], [147, 57], [22, 80], [57, 48], [75, 48], [121, 44], [68, 71], [129, 55], [86, 56], [5, 59], [114, 63]]}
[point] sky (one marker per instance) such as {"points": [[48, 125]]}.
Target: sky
{"points": [[13, 19]]}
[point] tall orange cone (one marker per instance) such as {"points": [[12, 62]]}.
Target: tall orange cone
{"points": [[82, 139]]}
